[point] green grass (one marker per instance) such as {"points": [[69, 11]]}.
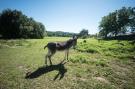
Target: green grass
{"points": [[93, 65]]}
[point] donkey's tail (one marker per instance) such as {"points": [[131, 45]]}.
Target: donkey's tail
{"points": [[45, 46]]}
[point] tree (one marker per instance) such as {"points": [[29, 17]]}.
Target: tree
{"points": [[105, 26], [132, 19], [14, 24], [117, 22], [83, 33]]}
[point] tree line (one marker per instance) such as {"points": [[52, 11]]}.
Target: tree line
{"points": [[118, 22], [14, 24], [82, 34], [60, 34]]}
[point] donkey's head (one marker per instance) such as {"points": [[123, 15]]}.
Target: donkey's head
{"points": [[74, 41]]}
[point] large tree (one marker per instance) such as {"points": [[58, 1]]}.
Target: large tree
{"points": [[83, 33], [14, 24], [117, 22]]}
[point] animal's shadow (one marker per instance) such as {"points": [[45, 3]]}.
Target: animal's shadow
{"points": [[43, 70]]}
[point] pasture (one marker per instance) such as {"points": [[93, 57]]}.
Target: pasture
{"points": [[93, 65]]}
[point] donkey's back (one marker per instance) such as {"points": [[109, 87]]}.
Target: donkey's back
{"points": [[59, 45]]}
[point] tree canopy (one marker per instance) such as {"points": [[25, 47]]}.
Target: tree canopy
{"points": [[14, 24], [83, 33], [118, 22]]}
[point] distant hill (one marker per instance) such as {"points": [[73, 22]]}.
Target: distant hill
{"points": [[60, 33]]}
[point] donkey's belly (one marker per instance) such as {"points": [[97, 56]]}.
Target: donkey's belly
{"points": [[60, 48]]}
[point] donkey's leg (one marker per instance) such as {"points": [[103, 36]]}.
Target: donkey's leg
{"points": [[52, 52], [67, 54], [50, 59], [47, 56]]}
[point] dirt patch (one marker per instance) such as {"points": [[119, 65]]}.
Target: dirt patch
{"points": [[101, 79]]}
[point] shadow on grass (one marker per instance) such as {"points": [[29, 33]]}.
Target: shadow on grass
{"points": [[45, 69]]}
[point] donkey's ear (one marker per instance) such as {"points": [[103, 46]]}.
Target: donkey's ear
{"points": [[75, 37]]}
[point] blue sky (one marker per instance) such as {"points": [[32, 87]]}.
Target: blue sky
{"points": [[67, 15]]}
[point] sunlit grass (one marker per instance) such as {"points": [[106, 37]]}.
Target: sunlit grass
{"points": [[94, 65], [108, 48]]}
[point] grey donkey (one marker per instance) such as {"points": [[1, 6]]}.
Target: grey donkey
{"points": [[60, 46]]}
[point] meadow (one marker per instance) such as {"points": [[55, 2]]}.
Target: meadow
{"points": [[94, 64]]}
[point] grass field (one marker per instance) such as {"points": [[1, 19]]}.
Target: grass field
{"points": [[93, 65]]}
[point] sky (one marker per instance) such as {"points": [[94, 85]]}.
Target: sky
{"points": [[67, 15]]}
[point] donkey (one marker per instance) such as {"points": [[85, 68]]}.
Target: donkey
{"points": [[60, 46]]}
